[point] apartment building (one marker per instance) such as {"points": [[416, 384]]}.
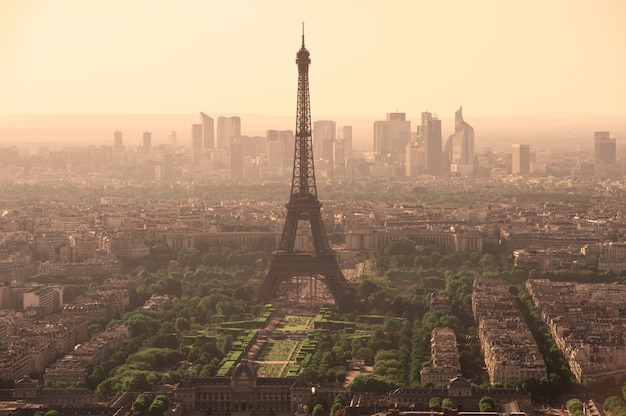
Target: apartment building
{"points": [[444, 356], [588, 323], [510, 351]]}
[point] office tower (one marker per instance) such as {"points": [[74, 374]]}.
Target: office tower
{"points": [[324, 135], [223, 135], [235, 127], [208, 131], [171, 139], [415, 163], [289, 139], [275, 153], [147, 141], [118, 142], [520, 159], [605, 148], [392, 135], [196, 143], [339, 153], [398, 132], [430, 131], [381, 145], [228, 130], [236, 160], [346, 137], [271, 135], [461, 146], [286, 137]]}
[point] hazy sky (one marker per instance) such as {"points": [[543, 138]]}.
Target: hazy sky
{"points": [[497, 57]]}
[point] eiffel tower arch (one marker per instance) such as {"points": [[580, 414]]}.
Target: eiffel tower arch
{"points": [[304, 205]]}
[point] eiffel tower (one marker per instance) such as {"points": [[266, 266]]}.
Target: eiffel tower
{"points": [[304, 205]]}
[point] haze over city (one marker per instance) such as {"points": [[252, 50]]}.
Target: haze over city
{"points": [[522, 59], [466, 251]]}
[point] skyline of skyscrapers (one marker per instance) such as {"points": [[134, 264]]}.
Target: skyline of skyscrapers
{"points": [[271, 155]]}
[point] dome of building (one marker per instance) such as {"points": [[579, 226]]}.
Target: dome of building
{"points": [[244, 372], [460, 383]]}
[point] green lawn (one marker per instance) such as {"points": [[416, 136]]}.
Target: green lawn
{"points": [[278, 350], [271, 370], [295, 323]]}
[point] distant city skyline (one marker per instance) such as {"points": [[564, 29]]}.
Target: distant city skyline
{"points": [[368, 57]]}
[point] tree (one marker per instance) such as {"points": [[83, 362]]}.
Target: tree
{"points": [[574, 405], [318, 410], [182, 324], [159, 405], [434, 403], [611, 403], [487, 404], [447, 402], [401, 246], [140, 405]]}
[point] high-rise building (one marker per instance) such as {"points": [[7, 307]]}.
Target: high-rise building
{"points": [[286, 137], [208, 131], [398, 132], [392, 135], [275, 153], [196, 143], [415, 163], [228, 130], [118, 142], [339, 154], [520, 159], [381, 143], [605, 148], [236, 160], [430, 130], [324, 135], [171, 138], [346, 137], [461, 146], [289, 139], [147, 141]]}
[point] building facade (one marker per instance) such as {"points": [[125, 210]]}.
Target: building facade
{"points": [[208, 131], [243, 391], [461, 146], [430, 132], [324, 137], [520, 159]]}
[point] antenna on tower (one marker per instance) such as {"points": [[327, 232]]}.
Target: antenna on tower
{"points": [[303, 34]]}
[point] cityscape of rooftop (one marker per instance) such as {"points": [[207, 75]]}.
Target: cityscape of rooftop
{"points": [[465, 254]]}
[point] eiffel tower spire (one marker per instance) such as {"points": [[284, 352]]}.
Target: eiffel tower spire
{"points": [[304, 205]]}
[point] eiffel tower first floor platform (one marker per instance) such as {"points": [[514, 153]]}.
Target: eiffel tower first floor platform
{"points": [[284, 266]]}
